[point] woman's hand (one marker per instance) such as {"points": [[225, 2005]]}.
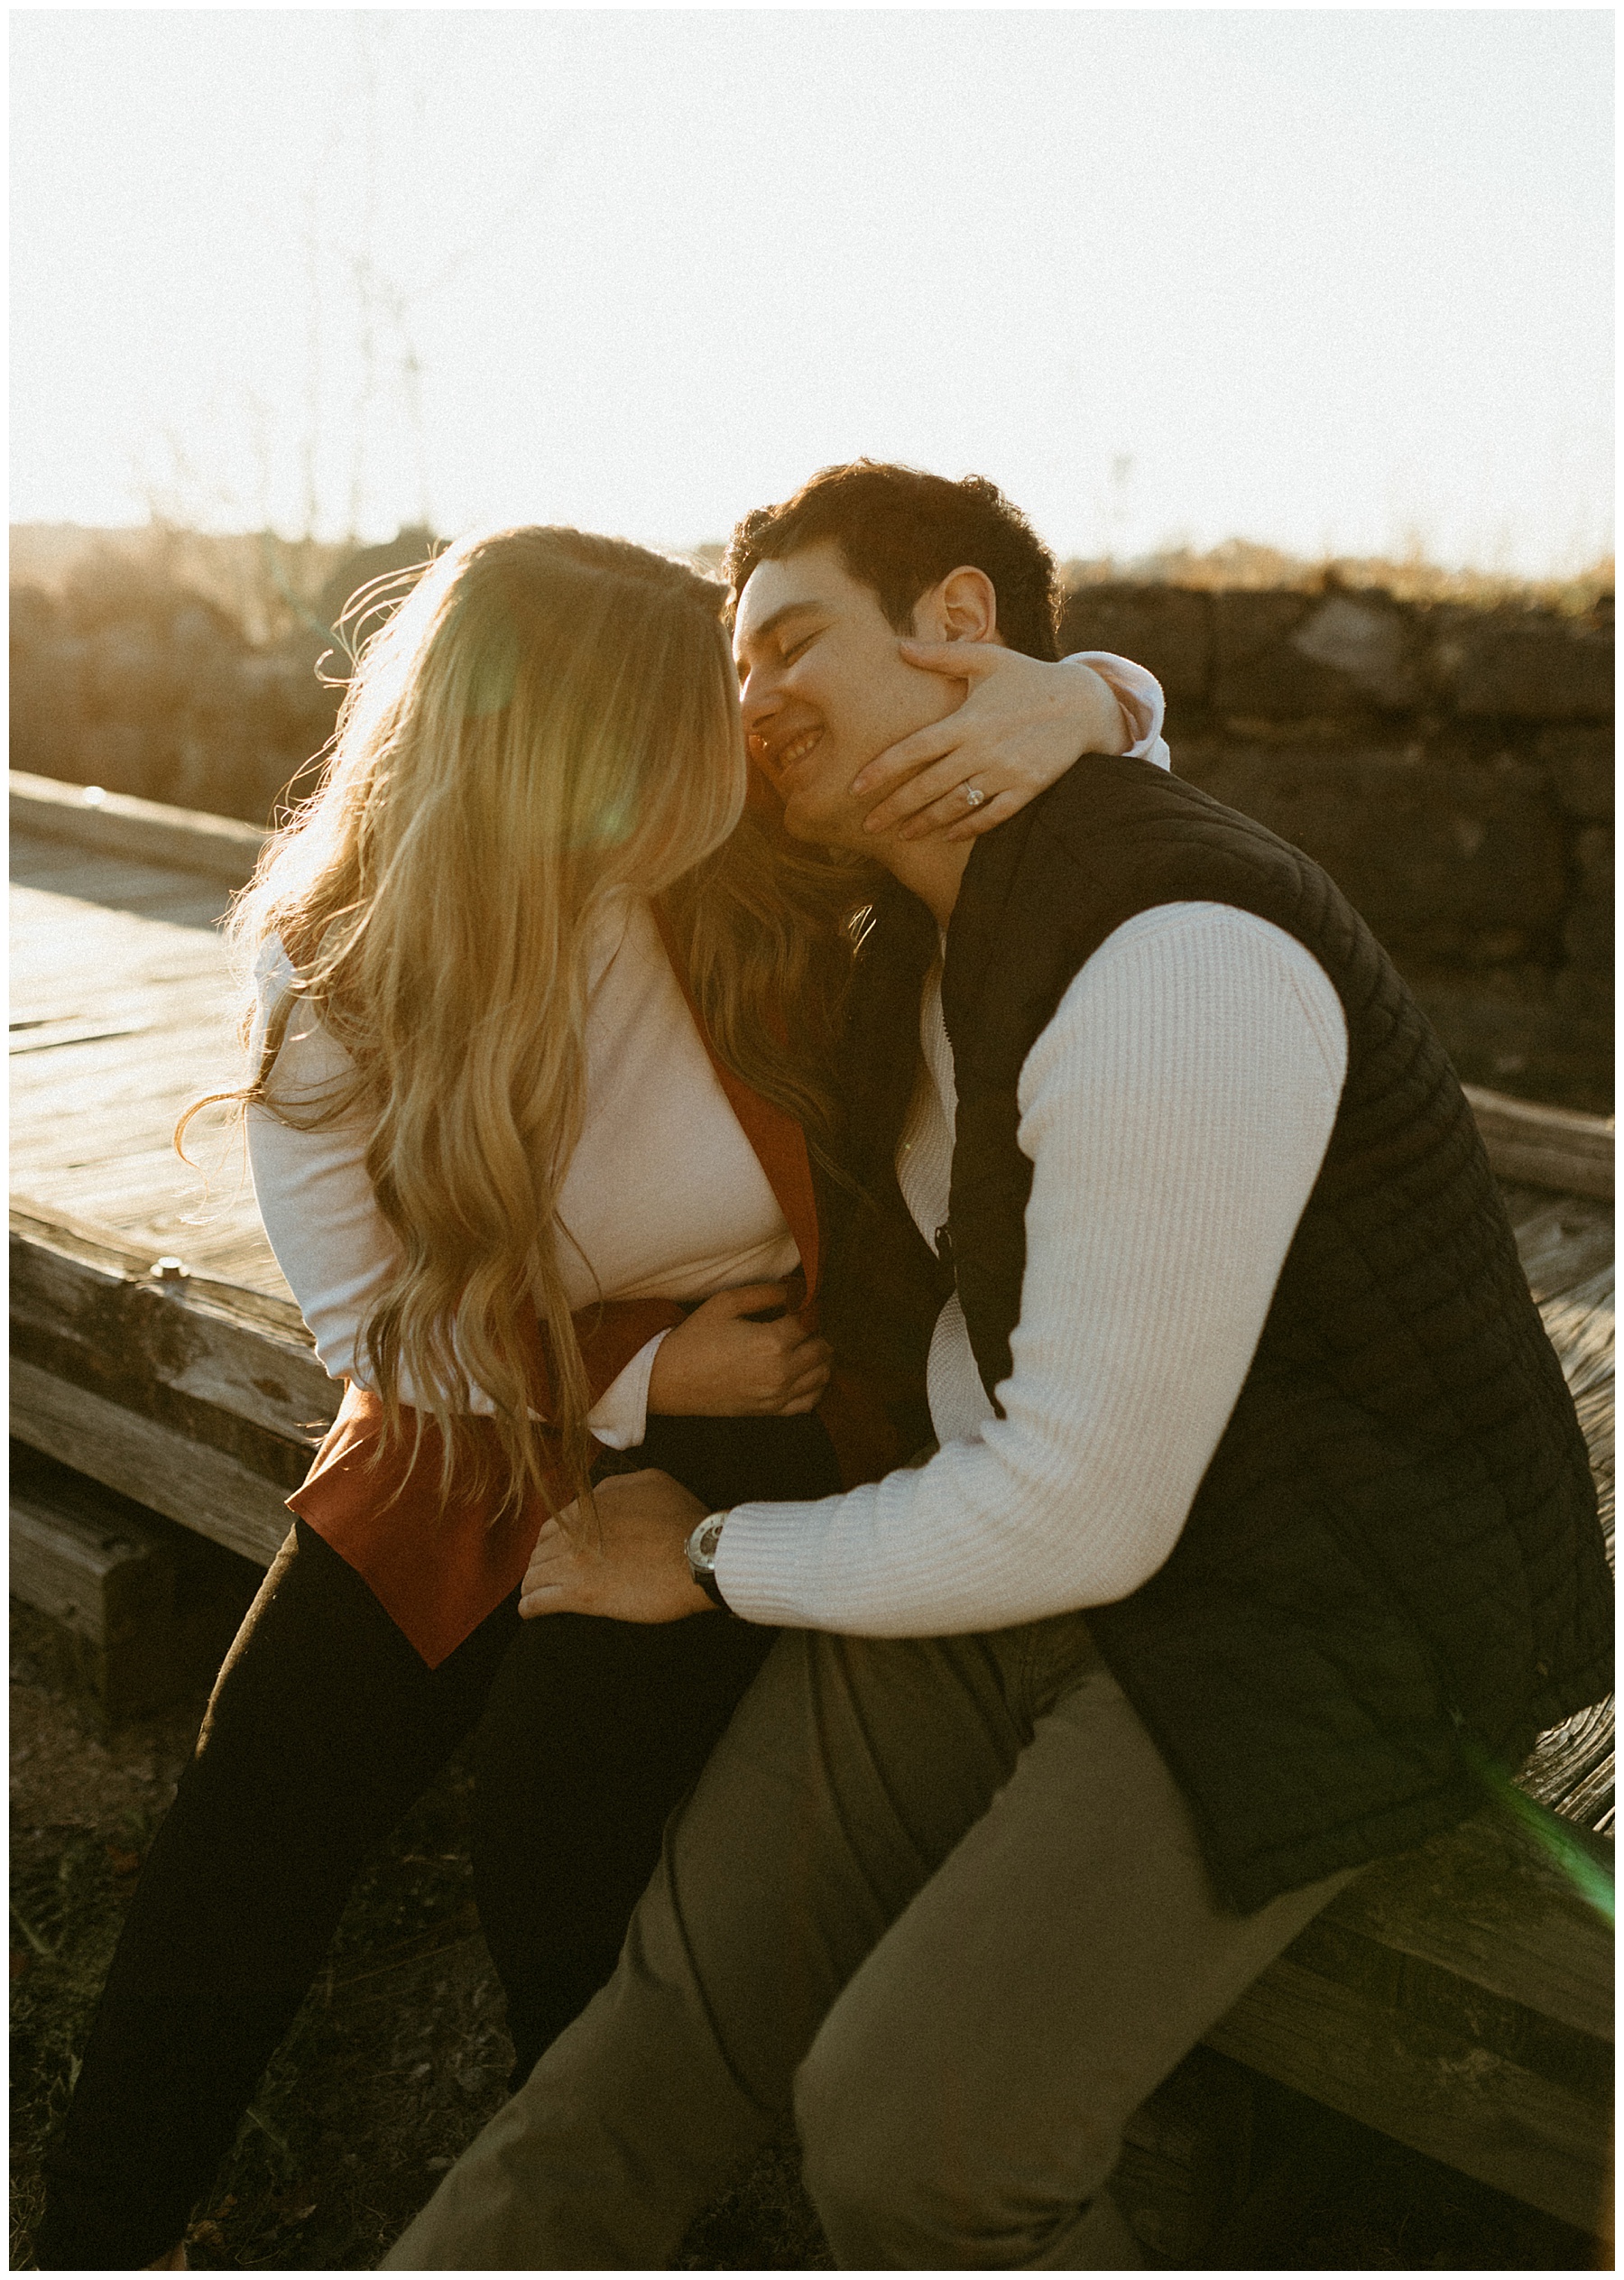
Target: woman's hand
{"points": [[1021, 726], [719, 1364], [636, 1571]]}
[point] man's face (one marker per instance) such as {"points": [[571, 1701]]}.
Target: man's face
{"points": [[824, 687]]}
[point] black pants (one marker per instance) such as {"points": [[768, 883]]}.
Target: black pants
{"points": [[324, 1727]]}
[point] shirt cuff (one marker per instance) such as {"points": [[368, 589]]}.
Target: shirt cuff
{"points": [[1140, 695], [765, 1551], [620, 1418]]}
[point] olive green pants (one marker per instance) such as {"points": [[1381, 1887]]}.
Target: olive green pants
{"points": [[939, 1898]]}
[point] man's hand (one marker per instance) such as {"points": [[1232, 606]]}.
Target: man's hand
{"points": [[717, 1364], [637, 1571], [1021, 726]]}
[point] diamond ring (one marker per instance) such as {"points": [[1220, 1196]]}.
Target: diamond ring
{"points": [[974, 794]]}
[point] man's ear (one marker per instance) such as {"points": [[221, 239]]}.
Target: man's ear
{"points": [[962, 608]]}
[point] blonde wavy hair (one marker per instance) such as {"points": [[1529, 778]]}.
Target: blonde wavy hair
{"points": [[548, 716]]}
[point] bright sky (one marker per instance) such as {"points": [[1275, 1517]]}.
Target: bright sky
{"points": [[1335, 281]]}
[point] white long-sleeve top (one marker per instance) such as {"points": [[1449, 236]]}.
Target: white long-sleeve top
{"points": [[664, 1196], [1176, 1110]]}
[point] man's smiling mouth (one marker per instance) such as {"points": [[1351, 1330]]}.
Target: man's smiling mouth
{"points": [[798, 749], [779, 758]]}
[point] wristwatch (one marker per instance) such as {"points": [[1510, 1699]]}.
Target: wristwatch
{"points": [[702, 1558]]}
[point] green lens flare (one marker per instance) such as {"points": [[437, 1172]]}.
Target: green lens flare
{"points": [[611, 825], [1558, 1840]]}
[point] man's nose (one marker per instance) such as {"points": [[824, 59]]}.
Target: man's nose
{"points": [[757, 702]]}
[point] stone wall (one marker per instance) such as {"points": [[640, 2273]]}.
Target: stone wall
{"points": [[1451, 767]]}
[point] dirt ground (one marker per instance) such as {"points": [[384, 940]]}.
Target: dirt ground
{"points": [[399, 2055]]}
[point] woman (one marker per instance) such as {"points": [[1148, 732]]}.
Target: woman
{"points": [[526, 1123]]}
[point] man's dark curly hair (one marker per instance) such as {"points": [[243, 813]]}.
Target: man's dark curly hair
{"points": [[900, 531]]}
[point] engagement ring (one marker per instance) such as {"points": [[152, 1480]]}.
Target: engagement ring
{"points": [[974, 796]]}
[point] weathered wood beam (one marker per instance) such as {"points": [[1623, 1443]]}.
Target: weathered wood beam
{"points": [[1460, 1998], [199, 1398], [1185, 2158], [1441, 2093], [98, 1583], [109, 1596], [1558, 1147], [200, 1487], [112, 823], [139, 1613], [109, 1313]]}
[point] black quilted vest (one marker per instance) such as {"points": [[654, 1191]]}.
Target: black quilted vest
{"points": [[1394, 1560]]}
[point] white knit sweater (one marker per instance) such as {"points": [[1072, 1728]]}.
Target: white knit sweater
{"points": [[1176, 1110]]}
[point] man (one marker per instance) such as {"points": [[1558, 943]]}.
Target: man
{"points": [[1261, 1512]]}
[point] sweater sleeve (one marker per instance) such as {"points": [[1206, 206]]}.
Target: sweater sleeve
{"points": [[333, 1244], [1140, 695], [1176, 1110]]}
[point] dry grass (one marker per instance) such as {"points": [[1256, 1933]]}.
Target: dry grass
{"points": [[1242, 564], [261, 582]]}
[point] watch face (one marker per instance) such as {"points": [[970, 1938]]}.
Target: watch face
{"points": [[702, 1545]]}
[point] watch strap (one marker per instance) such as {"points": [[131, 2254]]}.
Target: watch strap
{"points": [[702, 1558]]}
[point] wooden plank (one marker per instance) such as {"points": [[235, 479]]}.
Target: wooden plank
{"points": [[104, 893], [1563, 1243], [93, 1112], [180, 898], [1495, 1913], [109, 1597], [1460, 1998], [201, 1487], [1566, 1252], [1580, 1325], [1559, 1147], [93, 1581], [137, 1614], [111, 823], [200, 1399], [1572, 1768], [1441, 2093], [115, 1254], [243, 1350], [1185, 2158]]}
